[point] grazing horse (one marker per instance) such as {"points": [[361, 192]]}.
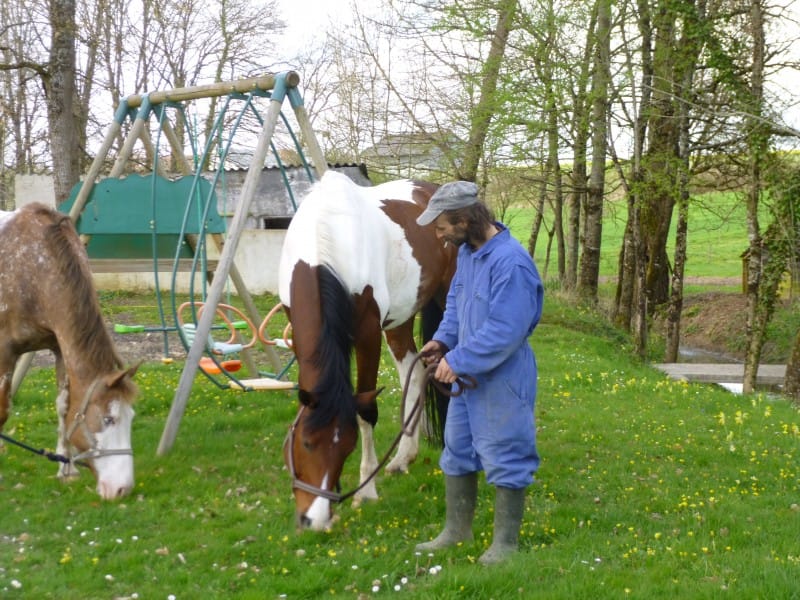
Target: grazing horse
{"points": [[354, 265], [48, 302]]}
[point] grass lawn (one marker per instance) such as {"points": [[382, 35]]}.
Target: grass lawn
{"points": [[648, 488]]}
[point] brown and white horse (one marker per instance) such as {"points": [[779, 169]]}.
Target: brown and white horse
{"points": [[354, 264], [48, 302]]}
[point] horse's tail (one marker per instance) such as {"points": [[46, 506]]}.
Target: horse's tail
{"points": [[436, 401]]}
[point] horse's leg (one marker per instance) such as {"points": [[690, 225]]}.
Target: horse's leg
{"points": [[403, 349], [367, 343], [66, 471], [6, 375]]}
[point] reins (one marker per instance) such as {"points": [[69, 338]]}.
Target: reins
{"points": [[409, 424], [54, 456]]}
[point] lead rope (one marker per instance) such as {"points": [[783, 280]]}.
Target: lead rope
{"points": [[54, 456], [466, 382]]}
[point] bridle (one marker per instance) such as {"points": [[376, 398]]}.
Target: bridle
{"points": [[409, 425], [79, 421]]}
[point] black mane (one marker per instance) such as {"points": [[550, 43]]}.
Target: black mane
{"points": [[334, 390]]}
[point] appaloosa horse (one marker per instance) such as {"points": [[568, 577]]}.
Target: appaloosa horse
{"points": [[354, 264], [48, 302]]}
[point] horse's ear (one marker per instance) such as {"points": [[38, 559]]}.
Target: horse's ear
{"points": [[116, 378], [367, 406]]}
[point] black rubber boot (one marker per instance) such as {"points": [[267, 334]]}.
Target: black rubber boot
{"points": [[509, 506], [461, 494]]}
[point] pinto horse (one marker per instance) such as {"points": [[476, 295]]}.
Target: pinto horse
{"points": [[354, 265], [48, 302]]}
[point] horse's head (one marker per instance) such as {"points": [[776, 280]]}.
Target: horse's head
{"points": [[315, 450], [100, 430]]}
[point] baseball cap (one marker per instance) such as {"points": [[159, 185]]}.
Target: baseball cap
{"points": [[451, 196]]}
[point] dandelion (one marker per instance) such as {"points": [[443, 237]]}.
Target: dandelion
{"points": [[16, 584]]}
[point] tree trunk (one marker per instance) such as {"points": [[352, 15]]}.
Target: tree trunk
{"points": [[579, 178], [622, 310], [690, 47], [757, 142], [486, 107], [60, 90], [554, 176], [660, 163], [675, 306], [791, 383], [536, 226], [588, 278]]}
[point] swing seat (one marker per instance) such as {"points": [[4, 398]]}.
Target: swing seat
{"points": [[209, 366], [213, 346], [261, 383]]}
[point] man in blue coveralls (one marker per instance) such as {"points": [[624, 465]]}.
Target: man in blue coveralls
{"points": [[493, 305]]}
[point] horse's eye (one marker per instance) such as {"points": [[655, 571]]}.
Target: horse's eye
{"points": [[308, 445], [108, 421]]}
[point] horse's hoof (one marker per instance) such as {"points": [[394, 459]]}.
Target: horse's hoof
{"points": [[369, 495], [398, 465]]}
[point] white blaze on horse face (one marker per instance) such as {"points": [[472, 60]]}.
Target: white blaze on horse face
{"points": [[318, 515], [115, 471]]}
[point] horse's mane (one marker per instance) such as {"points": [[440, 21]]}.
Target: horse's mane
{"points": [[334, 390], [94, 342]]}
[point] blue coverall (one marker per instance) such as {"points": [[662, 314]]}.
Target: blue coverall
{"points": [[493, 305]]}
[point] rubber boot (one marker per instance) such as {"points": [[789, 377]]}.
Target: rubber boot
{"points": [[461, 494], [508, 508]]}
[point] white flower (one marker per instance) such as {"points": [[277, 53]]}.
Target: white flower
{"points": [[16, 584]]}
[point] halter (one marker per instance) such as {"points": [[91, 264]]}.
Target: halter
{"points": [[80, 421], [409, 424]]}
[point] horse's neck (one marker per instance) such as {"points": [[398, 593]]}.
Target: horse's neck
{"points": [[82, 361]]}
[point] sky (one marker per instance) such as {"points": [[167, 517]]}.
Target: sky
{"points": [[304, 19]]}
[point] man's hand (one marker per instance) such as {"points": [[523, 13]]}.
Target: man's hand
{"points": [[444, 373], [433, 351]]}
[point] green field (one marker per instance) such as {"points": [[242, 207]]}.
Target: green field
{"points": [[648, 488], [717, 236]]}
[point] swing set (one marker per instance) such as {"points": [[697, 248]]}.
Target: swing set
{"points": [[174, 228]]}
